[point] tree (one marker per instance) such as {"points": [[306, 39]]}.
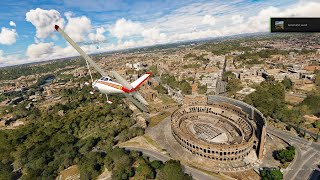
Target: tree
{"points": [[202, 89], [172, 170], [144, 171], [161, 89], [191, 79], [286, 155], [156, 164], [228, 75], [268, 98], [5, 171], [271, 174], [185, 87], [317, 79], [233, 86], [154, 70], [270, 79], [287, 83], [187, 66], [312, 102], [317, 125]]}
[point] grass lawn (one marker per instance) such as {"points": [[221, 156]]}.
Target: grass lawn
{"points": [[158, 118], [166, 99]]}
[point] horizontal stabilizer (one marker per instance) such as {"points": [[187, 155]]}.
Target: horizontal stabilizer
{"points": [[140, 80]]}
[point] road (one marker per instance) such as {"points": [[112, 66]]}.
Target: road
{"points": [[307, 155], [196, 174]]}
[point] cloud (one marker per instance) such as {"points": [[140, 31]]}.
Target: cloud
{"points": [[44, 21], [260, 22], [153, 35], [7, 59], [40, 50], [46, 51], [77, 27], [189, 22], [237, 19], [208, 19], [8, 36], [200, 16], [98, 36], [124, 28], [11, 23]]}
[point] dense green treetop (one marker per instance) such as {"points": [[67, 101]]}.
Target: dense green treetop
{"points": [[286, 155], [172, 171], [287, 83], [268, 97], [170, 80], [271, 174]]}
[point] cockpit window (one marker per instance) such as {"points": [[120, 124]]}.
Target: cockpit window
{"points": [[105, 79]]}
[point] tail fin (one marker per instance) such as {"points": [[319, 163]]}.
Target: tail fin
{"points": [[140, 80]]}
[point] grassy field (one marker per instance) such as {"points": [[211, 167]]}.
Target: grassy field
{"points": [[158, 118], [166, 99], [152, 142]]}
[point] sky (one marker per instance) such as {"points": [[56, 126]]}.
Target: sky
{"points": [[27, 27]]}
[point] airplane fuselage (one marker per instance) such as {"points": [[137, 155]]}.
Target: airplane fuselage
{"points": [[108, 87]]}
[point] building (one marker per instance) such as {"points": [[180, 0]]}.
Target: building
{"points": [[220, 132], [225, 132]]}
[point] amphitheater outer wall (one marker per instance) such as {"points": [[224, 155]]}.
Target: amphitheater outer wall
{"points": [[253, 113]]}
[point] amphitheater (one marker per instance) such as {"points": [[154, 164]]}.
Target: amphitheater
{"points": [[223, 130]]}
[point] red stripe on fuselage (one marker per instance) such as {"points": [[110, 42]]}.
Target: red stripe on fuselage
{"points": [[110, 84], [124, 89]]}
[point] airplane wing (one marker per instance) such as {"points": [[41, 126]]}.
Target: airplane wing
{"points": [[137, 103], [80, 51]]}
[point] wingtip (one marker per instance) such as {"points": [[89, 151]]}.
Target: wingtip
{"points": [[56, 27]]}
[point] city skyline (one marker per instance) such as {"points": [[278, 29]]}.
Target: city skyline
{"points": [[27, 29]]}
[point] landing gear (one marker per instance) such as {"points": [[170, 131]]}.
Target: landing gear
{"points": [[87, 83], [108, 101]]}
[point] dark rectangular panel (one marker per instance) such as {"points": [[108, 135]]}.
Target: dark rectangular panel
{"points": [[295, 24]]}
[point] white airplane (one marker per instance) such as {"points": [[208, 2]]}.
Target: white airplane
{"points": [[105, 85]]}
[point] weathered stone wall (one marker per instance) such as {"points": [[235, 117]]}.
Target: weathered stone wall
{"points": [[253, 113]]}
